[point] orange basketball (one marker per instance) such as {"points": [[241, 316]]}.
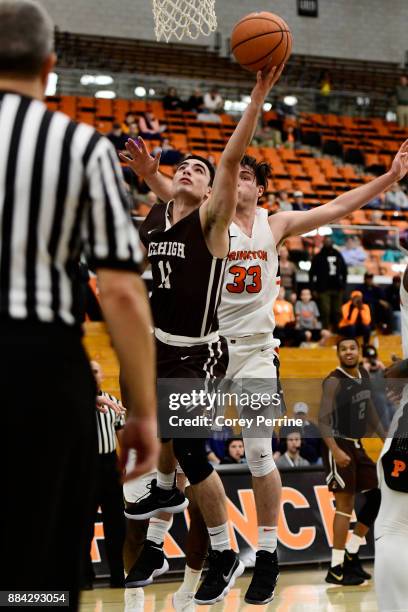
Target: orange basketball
{"points": [[261, 39]]}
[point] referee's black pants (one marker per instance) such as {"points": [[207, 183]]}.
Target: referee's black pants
{"points": [[48, 450], [108, 494]]}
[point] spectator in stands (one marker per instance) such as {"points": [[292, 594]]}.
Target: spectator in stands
{"points": [[283, 111], [376, 369], [172, 101], [195, 103], [392, 296], [381, 313], [133, 131], [216, 445], [354, 255], [375, 218], [356, 318], [169, 156], [323, 99], [287, 272], [149, 126], [292, 458], [310, 433], [307, 317], [117, 137], [395, 198], [213, 102], [328, 278], [271, 204], [144, 204], [235, 452], [283, 200], [290, 138], [298, 201], [267, 135], [377, 203], [401, 94], [129, 119], [284, 317]]}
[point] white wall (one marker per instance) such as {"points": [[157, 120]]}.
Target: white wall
{"points": [[360, 29]]}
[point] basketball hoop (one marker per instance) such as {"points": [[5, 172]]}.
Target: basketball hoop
{"points": [[181, 18]]}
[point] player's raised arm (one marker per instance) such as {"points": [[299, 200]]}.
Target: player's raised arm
{"points": [[146, 167], [294, 223], [220, 208]]}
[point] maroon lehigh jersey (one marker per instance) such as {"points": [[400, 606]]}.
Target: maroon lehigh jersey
{"points": [[187, 278]]}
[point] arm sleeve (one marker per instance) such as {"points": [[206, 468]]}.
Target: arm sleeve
{"points": [[108, 234]]}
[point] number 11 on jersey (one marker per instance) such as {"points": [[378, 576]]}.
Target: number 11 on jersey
{"points": [[165, 271]]}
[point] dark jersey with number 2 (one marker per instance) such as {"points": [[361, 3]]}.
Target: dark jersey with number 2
{"points": [[350, 411], [187, 278]]}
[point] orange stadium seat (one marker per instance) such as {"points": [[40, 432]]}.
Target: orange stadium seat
{"points": [[86, 118], [68, 105], [86, 103], [104, 107]]}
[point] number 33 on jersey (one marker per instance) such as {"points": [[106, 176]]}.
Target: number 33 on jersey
{"points": [[251, 283]]}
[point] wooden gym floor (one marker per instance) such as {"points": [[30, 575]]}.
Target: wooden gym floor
{"points": [[298, 591]]}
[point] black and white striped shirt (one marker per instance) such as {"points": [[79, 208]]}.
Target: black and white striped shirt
{"points": [[61, 193], [107, 425]]}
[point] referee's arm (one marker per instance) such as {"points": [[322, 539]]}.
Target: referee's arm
{"points": [[114, 251]]}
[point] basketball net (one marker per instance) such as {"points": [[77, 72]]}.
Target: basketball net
{"points": [[181, 18]]}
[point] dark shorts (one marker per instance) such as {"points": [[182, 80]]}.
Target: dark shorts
{"points": [[359, 475], [201, 361], [182, 369]]}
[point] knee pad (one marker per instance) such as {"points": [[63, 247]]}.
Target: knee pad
{"points": [[258, 452], [369, 511], [192, 456]]}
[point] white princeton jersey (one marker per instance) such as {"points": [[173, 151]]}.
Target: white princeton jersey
{"points": [[404, 319], [251, 283]]}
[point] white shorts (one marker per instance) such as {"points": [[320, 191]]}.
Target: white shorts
{"points": [[253, 368], [252, 357]]}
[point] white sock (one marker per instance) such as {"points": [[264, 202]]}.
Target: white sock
{"points": [[354, 543], [134, 600], [165, 481], [157, 529], [190, 580], [337, 557], [267, 538], [219, 537]]}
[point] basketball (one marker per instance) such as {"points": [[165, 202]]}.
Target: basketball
{"points": [[261, 39]]}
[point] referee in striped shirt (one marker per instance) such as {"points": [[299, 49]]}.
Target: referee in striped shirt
{"points": [[108, 490], [61, 194]]}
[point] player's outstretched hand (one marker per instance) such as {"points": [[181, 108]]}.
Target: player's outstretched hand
{"points": [[265, 80], [103, 403], [399, 166], [139, 433], [138, 158]]}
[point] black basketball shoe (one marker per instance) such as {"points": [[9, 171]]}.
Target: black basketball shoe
{"points": [[338, 575], [263, 583], [151, 563], [352, 565], [223, 569], [157, 500]]}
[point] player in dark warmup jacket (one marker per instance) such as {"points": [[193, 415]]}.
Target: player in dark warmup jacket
{"points": [[347, 414]]}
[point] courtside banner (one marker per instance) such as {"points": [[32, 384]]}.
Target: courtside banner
{"points": [[305, 532]]}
